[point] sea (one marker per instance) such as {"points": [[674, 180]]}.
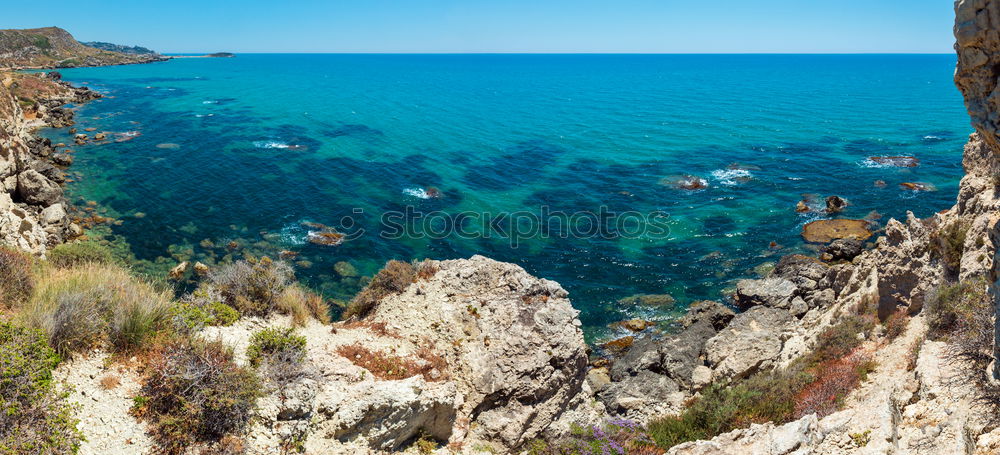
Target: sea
{"points": [[614, 175]]}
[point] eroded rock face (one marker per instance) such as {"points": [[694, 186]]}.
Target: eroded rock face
{"points": [[512, 342], [978, 46]]}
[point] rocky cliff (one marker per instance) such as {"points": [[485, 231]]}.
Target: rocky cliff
{"points": [[33, 210], [53, 47], [929, 394]]}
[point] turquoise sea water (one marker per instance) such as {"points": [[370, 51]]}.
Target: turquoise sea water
{"points": [[246, 149]]}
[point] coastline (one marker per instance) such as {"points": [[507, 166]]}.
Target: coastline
{"points": [[506, 360]]}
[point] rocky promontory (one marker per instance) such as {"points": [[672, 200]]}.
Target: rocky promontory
{"points": [[53, 47]]}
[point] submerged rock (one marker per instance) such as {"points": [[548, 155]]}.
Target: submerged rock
{"points": [[917, 186], [826, 231], [633, 325], [685, 182], [897, 161], [650, 300]]}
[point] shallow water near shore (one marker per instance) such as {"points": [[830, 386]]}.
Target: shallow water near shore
{"points": [[245, 150]]}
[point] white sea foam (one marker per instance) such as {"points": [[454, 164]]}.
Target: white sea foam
{"points": [[203, 115], [271, 145], [873, 164], [417, 192], [731, 176], [294, 234], [210, 102]]}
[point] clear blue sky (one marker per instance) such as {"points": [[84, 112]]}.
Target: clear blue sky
{"points": [[736, 26]]}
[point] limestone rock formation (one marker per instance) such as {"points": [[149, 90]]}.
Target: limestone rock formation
{"points": [[509, 365]]}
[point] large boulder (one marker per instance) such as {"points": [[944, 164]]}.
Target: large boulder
{"points": [[513, 344], [35, 188], [751, 342], [773, 292]]}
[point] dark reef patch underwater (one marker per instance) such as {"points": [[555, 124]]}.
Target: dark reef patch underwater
{"points": [[235, 155]]}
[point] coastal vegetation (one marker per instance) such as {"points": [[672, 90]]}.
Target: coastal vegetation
{"points": [[193, 391], [815, 383]]}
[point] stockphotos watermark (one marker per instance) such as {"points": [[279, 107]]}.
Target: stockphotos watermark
{"points": [[516, 227]]}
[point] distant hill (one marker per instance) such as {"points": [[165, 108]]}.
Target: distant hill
{"points": [[53, 47], [134, 50]]}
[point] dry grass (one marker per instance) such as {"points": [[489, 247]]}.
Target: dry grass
{"points": [[16, 278], [110, 382], [92, 304], [393, 279], [253, 286], [302, 304], [392, 367]]}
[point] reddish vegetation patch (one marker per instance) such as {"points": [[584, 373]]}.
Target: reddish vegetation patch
{"points": [[834, 380], [392, 367], [378, 328]]}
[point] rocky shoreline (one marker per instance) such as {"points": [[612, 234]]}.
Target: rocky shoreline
{"points": [[34, 212]]}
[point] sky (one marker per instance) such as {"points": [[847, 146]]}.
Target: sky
{"points": [[588, 26]]}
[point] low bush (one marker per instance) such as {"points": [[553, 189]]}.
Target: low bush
{"points": [[948, 243], [195, 393], [81, 252], [276, 342], [839, 340], [616, 437], [252, 286], [951, 307], [92, 304], [16, 278], [393, 279], [895, 324], [35, 417], [200, 309], [302, 304], [835, 379]]}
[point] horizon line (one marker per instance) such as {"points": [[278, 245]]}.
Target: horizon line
{"points": [[550, 53]]}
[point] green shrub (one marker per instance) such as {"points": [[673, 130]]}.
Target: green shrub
{"points": [[201, 308], [393, 279], [839, 340], [252, 286], [81, 252], [948, 243], [34, 416], [86, 306], [276, 341], [16, 278], [195, 393], [764, 397], [949, 305]]}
